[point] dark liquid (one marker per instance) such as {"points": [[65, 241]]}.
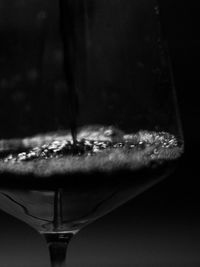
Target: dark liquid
{"points": [[62, 192]]}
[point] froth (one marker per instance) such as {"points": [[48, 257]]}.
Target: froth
{"points": [[98, 148]]}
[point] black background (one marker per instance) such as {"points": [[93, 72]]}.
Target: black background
{"points": [[162, 226]]}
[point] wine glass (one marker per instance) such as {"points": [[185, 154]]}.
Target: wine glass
{"points": [[88, 108]]}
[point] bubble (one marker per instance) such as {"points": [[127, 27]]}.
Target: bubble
{"points": [[155, 151]]}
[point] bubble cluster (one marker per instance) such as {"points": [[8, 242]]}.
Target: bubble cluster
{"points": [[90, 147]]}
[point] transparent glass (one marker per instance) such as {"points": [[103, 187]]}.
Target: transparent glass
{"points": [[88, 111]]}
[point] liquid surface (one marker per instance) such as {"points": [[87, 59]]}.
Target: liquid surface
{"points": [[97, 149], [54, 187]]}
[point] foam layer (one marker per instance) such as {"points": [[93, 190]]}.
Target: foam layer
{"points": [[98, 148]]}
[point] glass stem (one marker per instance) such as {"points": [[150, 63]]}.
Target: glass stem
{"points": [[57, 244]]}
